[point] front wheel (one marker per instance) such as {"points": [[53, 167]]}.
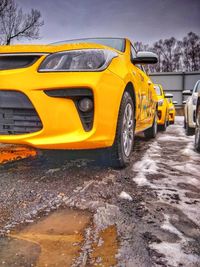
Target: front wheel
{"points": [[163, 127], [120, 152], [197, 131], [184, 123], [189, 130], [152, 132]]}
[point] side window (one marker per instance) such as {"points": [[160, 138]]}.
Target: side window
{"points": [[198, 88], [133, 52]]}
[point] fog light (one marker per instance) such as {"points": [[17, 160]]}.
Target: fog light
{"points": [[85, 104]]}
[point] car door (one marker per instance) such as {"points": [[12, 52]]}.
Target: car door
{"points": [[149, 108], [139, 79], [195, 93]]}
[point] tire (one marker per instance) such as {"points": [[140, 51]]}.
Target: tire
{"points": [[152, 132], [120, 152], [163, 127], [197, 131], [184, 124], [188, 130]]}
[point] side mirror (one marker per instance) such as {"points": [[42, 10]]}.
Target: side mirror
{"points": [[175, 102], [187, 92], [168, 96], [184, 102], [145, 57]]}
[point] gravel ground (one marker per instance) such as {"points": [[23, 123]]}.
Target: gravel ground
{"points": [[154, 203]]}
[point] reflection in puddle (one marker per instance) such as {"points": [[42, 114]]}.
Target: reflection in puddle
{"points": [[11, 153], [56, 240], [53, 241]]}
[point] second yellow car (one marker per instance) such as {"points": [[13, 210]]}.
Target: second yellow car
{"points": [[163, 108], [172, 110]]}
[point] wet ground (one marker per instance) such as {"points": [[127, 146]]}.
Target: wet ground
{"points": [[56, 211]]}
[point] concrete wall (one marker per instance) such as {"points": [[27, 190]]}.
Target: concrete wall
{"points": [[176, 82]]}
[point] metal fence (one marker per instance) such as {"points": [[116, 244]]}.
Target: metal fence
{"points": [[176, 82]]}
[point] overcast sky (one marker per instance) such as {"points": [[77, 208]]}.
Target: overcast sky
{"points": [[141, 20]]}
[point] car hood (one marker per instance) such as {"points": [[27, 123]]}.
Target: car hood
{"points": [[12, 49], [171, 105], [159, 97]]}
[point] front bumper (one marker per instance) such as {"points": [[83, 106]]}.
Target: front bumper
{"points": [[161, 115], [171, 116], [62, 127]]}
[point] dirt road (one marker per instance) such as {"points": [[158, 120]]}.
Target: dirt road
{"points": [[60, 212]]}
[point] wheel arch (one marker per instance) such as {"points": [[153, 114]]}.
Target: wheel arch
{"points": [[131, 90], [198, 104], [198, 101]]}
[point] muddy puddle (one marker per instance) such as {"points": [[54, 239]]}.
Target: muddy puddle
{"points": [[56, 240], [11, 153], [52, 241], [105, 250]]}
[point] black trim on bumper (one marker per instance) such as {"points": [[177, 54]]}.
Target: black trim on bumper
{"points": [[76, 94], [17, 114], [69, 92]]}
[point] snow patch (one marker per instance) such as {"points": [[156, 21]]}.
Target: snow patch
{"points": [[169, 227], [179, 119], [174, 252], [190, 152], [126, 196], [172, 138], [147, 165], [175, 255]]}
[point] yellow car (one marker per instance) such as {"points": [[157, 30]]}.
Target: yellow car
{"points": [[79, 94], [163, 108], [171, 108]]}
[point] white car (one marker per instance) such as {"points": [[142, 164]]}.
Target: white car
{"points": [[197, 131], [190, 109]]}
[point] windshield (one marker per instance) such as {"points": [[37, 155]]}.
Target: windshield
{"points": [[116, 43], [158, 90]]}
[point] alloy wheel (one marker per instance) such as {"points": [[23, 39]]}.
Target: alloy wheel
{"points": [[127, 130]]}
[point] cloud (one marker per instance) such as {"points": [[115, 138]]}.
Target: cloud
{"points": [[142, 20]]}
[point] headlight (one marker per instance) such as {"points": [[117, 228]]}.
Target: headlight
{"points": [[160, 102], [78, 60], [171, 109]]}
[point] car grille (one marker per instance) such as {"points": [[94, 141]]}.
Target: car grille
{"points": [[17, 114], [10, 62]]}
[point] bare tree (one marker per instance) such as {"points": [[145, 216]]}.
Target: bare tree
{"points": [[191, 52], [14, 24], [157, 48], [169, 55], [3, 5], [139, 46]]}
